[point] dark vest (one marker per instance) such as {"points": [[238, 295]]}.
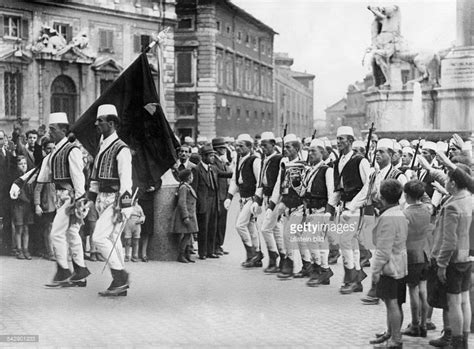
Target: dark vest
{"points": [[350, 177], [271, 171], [429, 189], [106, 171], [247, 188], [318, 197], [60, 166]]}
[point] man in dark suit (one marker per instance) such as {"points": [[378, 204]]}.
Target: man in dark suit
{"points": [[32, 151], [206, 186], [6, 166], [224, 173]]}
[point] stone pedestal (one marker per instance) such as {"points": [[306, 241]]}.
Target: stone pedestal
{"points": [[164, 245], [393, 110]]}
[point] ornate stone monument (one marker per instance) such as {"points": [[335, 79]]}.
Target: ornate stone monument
{"points": [[409, 95]]}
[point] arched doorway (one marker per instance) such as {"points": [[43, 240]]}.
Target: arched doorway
{"points": [[63, 97]]}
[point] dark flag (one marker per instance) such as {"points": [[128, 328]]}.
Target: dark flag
{"points": [[143, 125]]}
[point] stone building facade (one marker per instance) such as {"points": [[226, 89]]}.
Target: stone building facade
{"points": [[294, 101], [224, 70], [60, 56]]}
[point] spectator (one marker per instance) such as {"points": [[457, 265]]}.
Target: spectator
{"points": [[451, 255], [146, 201], [389, 266], [185, 220], [7, 163], [32, 151], [22, 211], [44, 199], [132, 232], [418, 215]]}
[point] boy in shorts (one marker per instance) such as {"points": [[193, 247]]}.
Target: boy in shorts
{"points": [[389, 267], [132, 232]]}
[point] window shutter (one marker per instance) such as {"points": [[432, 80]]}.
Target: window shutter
{"points": [[110, 40], [136, 43], [24, 29], [1, 26], [19, 93], [102, 40], [184, 67], [68, 33]]}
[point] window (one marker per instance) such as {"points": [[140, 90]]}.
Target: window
{"points": [[12, 94], [104, 85], [219, 70], [238, 74], [229, 74], [255, 43], [13, 27], [239, 37], [106, 40], [185, 110], [256, 81], [140, 42], [255, 115], [185, 23], [238, 114], [262, 48], [247, 39], [228, 113], [247, 116], [65, 30], [228, 29], [184, 68], [248, 77], [218, 26]]}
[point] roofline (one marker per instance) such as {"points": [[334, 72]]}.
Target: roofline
{"points": [[332, 105], [244, 13]]}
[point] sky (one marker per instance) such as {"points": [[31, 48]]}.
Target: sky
{"points": [[329, 38]]}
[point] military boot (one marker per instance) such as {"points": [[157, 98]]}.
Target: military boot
{"points": [[272, 266], [79, 276], [322, 279], [444, 340], [286, 272], [305, 270], [119, 285], [349, 281], [61, 279]]}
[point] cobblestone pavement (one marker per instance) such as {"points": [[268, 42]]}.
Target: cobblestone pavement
{"points": [[213, 303]]}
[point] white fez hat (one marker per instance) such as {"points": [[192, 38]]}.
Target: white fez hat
{"points": [[404, 143], [290, 138], [267, 136], [385, 143], [188, 139], [278, 140], [430, 145], [307, 140], [317, 143], [345, 131], [358, 144], [244, 137], [106, 109], [397, 146], [442, 146], [408, 150], [58, 118], [202, 139]]}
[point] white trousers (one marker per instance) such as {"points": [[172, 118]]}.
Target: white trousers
{"points": [[65, 236], [106, 231], [272, 229], [246, 225]]}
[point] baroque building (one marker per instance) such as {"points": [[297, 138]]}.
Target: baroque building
{"points": [[294, 93], [60, 56], [224, 70]]}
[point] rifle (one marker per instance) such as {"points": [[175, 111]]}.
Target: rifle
{"points": [[416, 153], [313, 136], [285, 130], [373, 160], [369, 139]]}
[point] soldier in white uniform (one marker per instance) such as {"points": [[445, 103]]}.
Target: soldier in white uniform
{"points": [[244, 181], [64, 167], [111, 185]]}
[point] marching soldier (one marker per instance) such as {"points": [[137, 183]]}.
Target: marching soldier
{"points": [[287, 191], [351, 172], [110, 188], [64, 167], [271, 229], [319, 198], [244, 180]]}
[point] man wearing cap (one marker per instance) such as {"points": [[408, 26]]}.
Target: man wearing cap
{"points": [[397, 155], [407, 159], [224, 173], [351, 173], [319, 198], [111, 188], [64, 167], [206, 186], [429, 153], [358, 147], [271, 229], [386, 170], [244, 180], [287, 192]]}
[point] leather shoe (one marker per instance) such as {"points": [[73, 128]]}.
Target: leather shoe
{"points": [[202, 257], [380, 339], [212, 255]]}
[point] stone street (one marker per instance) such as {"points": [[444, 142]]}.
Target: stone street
{"points": [[213, 303]]}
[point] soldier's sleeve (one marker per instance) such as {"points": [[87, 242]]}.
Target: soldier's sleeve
{"points": [[124, 162], [332, 195], [257, 167], [233, 188], [76, 166], [276, 197]]}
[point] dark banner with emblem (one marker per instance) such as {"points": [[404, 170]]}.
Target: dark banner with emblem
{"points": [[143, 125]]}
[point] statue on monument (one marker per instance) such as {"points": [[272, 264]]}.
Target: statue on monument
{"points": [[388, 45]]}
